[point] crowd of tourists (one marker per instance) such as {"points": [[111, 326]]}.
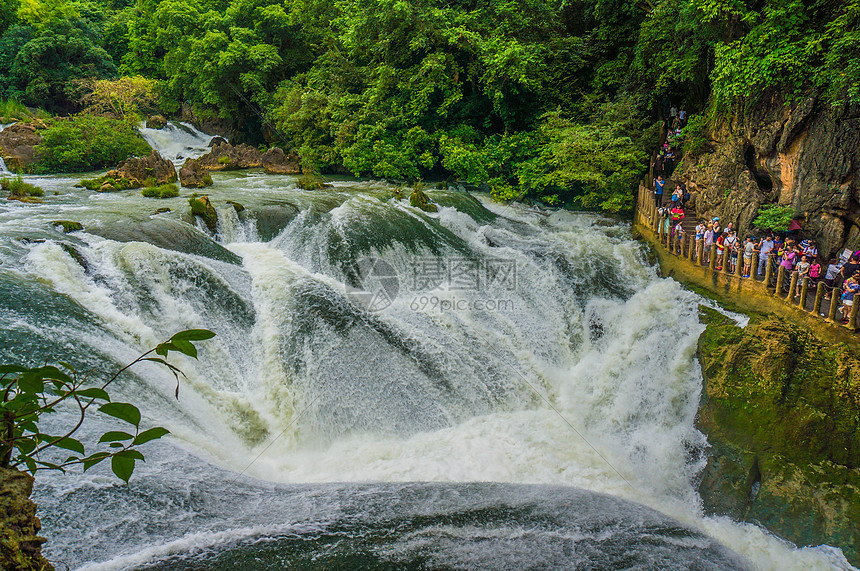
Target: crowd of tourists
{"points": [[800, 257], [663, 164]]}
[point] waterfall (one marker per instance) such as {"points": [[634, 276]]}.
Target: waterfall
{"points": [[505, 346], [177, 141], [3, 168]]}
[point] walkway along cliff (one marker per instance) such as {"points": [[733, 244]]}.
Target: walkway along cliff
{"points": [[781, 401]]}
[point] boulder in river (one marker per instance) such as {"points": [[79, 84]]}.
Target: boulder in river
{"points": [[200, 206], [68, 225], [18, 145], [419, 199], [193, 175], [135, 172], [275, 161], [156, 122]]}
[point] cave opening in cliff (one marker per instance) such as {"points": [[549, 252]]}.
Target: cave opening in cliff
{"points": [[761, 176]]}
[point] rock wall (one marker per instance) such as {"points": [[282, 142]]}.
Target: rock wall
{"points": [[804, 154], [20, 545], [781, 409]]}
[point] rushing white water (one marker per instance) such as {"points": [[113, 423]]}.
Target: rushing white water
{"points": [[304, 388], [3, 168], [177, 141]]}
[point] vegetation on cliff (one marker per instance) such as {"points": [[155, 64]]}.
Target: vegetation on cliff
{"points": [[780, 409]]}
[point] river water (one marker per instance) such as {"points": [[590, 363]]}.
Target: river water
{"points": [[521, 392]]}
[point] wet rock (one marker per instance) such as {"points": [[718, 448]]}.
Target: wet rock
{"points": [[156, 122], [275, 161], [780, 411], [193, 175], [419, 199], [311, 182], [135, 172], [20, 544], [236, 206], [217, 141], [68, 225], [225, 156], [804, 155], [76, 255], [18, 145], [200, 206]]}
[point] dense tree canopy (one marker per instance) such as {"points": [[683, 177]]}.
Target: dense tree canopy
{"points": [[555, 98]]}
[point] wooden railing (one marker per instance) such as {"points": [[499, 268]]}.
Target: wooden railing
{"points": [[775, 277]]}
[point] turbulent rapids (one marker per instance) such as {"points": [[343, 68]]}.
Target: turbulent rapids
{"points": [[539, 351]]}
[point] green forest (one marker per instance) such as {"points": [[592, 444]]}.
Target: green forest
{"points": [[558, 100]]}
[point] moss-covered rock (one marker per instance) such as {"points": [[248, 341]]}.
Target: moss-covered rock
{"points": [[20, 544], [162, 191], [419, 199], [200, 206], [781, 409], [68, 225]]}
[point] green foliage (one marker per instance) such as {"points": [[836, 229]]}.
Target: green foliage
{"points": [[30, 394], [164, 191], [696, 139], [19, 189], [86, 143], [11, 109], [774, 217]]}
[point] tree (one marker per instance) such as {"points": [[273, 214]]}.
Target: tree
{"points": [[32, 393], [774, 217]]}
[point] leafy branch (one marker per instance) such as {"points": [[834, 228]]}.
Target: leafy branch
{"points": [[28, 393]]}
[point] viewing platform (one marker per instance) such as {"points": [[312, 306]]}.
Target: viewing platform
{"points": [[684, 257]]}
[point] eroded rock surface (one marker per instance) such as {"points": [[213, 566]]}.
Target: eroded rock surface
{"points": [[805, 155]]}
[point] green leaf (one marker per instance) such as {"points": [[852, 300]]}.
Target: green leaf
{"points": [[114, 436], [164, 348], [6, 369], [116, 444], [26, 445], [91, 461], [193, 335], [123, 411], [185, 347], [135, 454], [94, 393], [70, 444], [122, 466], [31, 382], [151, 434], [51, 372]]}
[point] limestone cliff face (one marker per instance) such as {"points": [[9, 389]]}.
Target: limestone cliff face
{"points": [[780, 409], [804, 154]]}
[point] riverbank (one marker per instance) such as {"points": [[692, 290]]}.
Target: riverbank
{"points": [[779, 407]]}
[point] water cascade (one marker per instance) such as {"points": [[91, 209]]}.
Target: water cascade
{"points": [[3, 168], [177, 141], [311, 426]]}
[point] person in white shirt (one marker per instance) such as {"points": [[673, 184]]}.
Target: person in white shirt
{"points": [[732, 245], [802, 269], [749, 248], [765, 245], [709, 240]]}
